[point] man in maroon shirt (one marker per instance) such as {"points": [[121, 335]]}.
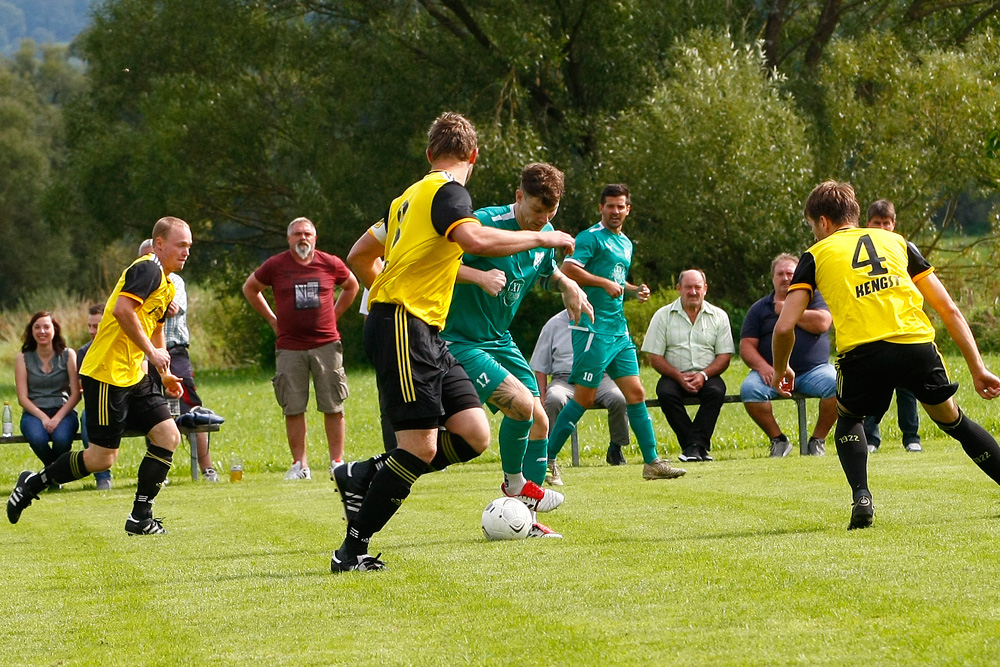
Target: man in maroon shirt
{"points": [[303, 281]]}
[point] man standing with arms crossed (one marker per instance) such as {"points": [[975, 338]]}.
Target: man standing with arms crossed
{"points": [[117, 393], [600, 265], [429, 227], [875, 284]]}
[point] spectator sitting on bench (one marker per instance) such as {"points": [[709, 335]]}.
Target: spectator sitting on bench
{"points": [[690, 344], [553, 356], [814, 374]]}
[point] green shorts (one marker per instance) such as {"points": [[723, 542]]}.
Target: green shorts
{"points": [[595, 354], [487, 364]]}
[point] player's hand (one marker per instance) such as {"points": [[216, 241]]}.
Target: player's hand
{"points": [[784, 384], [613, 289], [160, 360], [172, 384], [559, 240], [492, 282], [577, 303], [987, 385], [642, 294]]}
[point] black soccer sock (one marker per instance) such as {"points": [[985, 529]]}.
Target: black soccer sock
{"points": [[364, 471], [67, 468], [452, 448], [153, 470], [389, 488], [981, 447], [852, 450]]}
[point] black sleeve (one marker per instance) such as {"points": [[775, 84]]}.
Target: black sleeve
{"points": [[142, 279], [805, 272], [451, 204], [915, 262]]}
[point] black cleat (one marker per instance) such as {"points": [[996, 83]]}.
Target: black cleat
{"points": [[362, 563], [862, 513], [615, 456], [351, 489], [20, 497], [147, 526]]}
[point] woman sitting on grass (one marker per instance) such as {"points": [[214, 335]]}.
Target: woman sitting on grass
{"points": [[48, 388]]}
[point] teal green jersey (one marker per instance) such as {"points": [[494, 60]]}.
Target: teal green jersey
{"points": [[477, 316], [605, 255]]}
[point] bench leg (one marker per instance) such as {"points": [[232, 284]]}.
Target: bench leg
{"points": [[575, 442], [800, 404], [193, 444]]}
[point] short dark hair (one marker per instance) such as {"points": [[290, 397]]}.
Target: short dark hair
{"points": [[543, 182], [882, 208], [165, 226], [28, 342], [96, 309], [616, 190], [452, 135], [834, 200]]}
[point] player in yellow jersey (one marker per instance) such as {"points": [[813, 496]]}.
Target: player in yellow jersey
{"points": [[875, 284], [117, 392], [429, 227]]}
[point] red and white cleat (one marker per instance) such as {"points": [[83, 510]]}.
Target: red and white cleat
{"points": [[535, 497]]}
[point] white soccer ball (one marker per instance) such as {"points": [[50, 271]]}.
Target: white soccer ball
{"points": [[506, 519]]}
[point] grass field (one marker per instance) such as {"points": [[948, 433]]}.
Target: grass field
{"points": [[744, 561]]}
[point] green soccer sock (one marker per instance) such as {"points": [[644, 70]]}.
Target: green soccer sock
{"points": [[534, 460], [642, 426], [513, 443], [564, 426]]}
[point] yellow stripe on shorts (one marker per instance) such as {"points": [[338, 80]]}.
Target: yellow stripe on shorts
{"points": [[403, 357]]}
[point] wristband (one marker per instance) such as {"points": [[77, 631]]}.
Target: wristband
{"points": [[704, 375]]}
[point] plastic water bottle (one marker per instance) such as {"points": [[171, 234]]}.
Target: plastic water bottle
{"points": [[236, 469], [8, 420]]}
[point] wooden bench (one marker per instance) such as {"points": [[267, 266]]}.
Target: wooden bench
{"points": [[800, 404], [188, 431]]}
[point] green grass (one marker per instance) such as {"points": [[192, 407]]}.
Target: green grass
{"points": [[743, 561]]}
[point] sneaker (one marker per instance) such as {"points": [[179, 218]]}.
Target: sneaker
{"points": [[862, 513], [147, 526], [872, 449], [541, 530], [660, 469], [351, 490], [615, 457], [210, 475], [362, 563], [104, 484], [817, 447], [554, 475], [705, 456], [20, 497], [913, 447], [690, 454], [535, 497], [297, 472], [780, 447]]}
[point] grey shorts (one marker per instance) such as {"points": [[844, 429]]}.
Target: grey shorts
{"points": [[291, 379]]}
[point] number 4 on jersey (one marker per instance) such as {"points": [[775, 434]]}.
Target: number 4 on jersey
{"points": [[873, 260]]}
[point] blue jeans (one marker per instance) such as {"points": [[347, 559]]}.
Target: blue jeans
{"points": [[38, 437], [106, 474], [906, 413]]}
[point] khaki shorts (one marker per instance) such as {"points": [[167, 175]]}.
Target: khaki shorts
{"points": [[291, 379]]}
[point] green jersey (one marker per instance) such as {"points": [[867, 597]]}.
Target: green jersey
{"points": [[605, 255], [477, 316]]}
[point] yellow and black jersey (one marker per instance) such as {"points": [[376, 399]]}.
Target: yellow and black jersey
{"points": [[113, 358], [867, 277], [421, 262]]}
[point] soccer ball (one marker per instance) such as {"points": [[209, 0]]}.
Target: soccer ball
{"points": [[506, 519]]}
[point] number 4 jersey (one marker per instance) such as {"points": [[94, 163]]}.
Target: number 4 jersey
{"points": [[867, 277]]}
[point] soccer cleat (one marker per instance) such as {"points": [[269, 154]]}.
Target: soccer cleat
{"points": [[147, 526], [541, 530], [20, 498], [780, 447], [535, 497], [862, 513], [351, 489], [705, 456], [817, 447], [362, 563], [297, 472], [872, 449], [690, 454], [615, 457], [913, 447], [660, 469], [554, 475], [210, 475]]}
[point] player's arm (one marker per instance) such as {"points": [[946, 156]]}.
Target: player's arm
{"points": [[125, 314], [491, 242], [573, 296], [783, 338], [348, 292], [491, 282], [935, 294], [253, 290], [365, 258], [640, 292], [585, 278]]}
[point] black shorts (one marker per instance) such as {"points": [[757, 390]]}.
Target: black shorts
{"points": [[868, 374], [421, 383], [112, 410]]}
